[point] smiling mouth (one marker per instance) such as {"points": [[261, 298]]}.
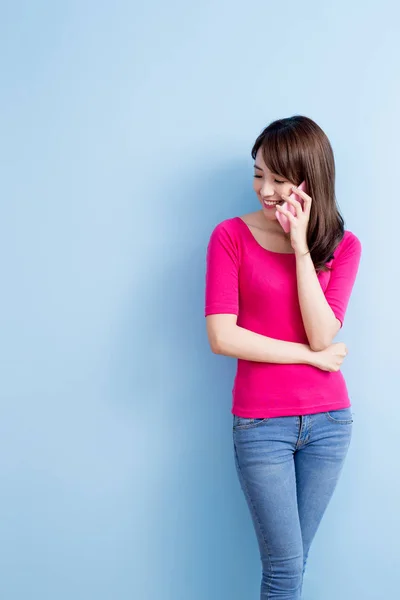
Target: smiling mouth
{"points": [[274, 203]]}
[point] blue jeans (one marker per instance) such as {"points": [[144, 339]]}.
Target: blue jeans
{"points": [[288, 468]]}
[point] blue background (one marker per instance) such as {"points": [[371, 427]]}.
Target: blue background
{"points": [[126, 132]]}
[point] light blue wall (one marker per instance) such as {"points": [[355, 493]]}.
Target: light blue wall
{"points": [[125, 137]]}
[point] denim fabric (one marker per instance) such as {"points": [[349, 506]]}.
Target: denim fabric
{"points": [[288, 468]]}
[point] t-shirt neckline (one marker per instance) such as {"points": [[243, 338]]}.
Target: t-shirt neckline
{"points": [[262, 247]]}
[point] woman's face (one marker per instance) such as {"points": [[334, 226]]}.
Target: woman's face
{"points": [[269, 186]]}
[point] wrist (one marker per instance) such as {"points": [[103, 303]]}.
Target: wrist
{"points": [[310, 356], [302, 252]]}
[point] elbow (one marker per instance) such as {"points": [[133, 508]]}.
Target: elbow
{"points": [[219, 327], [215, 348], [215, 344], [318, 346], [218, 344]]}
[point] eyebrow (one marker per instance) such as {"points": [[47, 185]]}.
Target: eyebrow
{"points": [[257, 167]]}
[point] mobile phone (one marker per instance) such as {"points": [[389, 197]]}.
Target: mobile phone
{"points": [[283, 220]]}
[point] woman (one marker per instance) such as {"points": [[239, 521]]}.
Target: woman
{"points": [[275, 301]]}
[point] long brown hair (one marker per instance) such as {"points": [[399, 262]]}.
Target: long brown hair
{"points": [[297, 149]]}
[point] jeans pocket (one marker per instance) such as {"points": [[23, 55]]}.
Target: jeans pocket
{"points": [[247, 422], [342, 416]]}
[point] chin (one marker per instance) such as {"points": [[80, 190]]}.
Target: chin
{"points": [[269, 213]]}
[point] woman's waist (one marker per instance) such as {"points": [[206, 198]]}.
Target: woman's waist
{"points": [[281, 376]]}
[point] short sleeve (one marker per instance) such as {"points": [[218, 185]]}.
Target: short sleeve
{"points": [[343, 275], [222, 272]]}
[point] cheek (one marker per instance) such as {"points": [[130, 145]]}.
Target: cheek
{"points": [[257, 185], [287, 190]]}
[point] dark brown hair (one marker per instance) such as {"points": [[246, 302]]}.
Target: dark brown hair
{"points": [[297, 149]]}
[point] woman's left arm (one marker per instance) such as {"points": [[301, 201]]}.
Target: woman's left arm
{"points": [[319, 320], [322, 313]]}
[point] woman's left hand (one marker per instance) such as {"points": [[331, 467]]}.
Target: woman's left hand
{"points": [[298, 223]]}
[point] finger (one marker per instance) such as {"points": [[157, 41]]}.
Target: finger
{"points": [[301, 193], [291, 200], [287, 213], [307, 205], [294, 203], [306, 199]]}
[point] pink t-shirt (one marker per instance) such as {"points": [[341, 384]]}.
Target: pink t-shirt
{"points": [[260, 287]]}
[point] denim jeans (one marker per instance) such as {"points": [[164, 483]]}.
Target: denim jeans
{"points": [[288, 468]]}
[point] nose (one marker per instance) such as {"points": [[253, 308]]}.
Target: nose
{"points": [[267, 191]]}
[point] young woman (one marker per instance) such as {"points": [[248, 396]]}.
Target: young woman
{"points": [[275, 301]]}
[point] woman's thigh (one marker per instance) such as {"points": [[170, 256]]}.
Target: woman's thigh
{"points": [[319, 460], [264, 460]]}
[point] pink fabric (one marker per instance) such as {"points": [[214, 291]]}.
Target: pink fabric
{"points": [[260, 287]]}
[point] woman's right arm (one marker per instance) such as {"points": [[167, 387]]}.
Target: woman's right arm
{"points": [[228, 338]]}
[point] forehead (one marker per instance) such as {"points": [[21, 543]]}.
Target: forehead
{"points": [[259, 161]]}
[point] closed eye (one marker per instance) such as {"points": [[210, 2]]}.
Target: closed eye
{"points": [[275, 180]]}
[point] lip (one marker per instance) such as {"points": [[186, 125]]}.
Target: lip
{"points": [[274, 205]]}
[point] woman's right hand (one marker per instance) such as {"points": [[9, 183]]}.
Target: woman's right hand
{"points": [[331, 358]]}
